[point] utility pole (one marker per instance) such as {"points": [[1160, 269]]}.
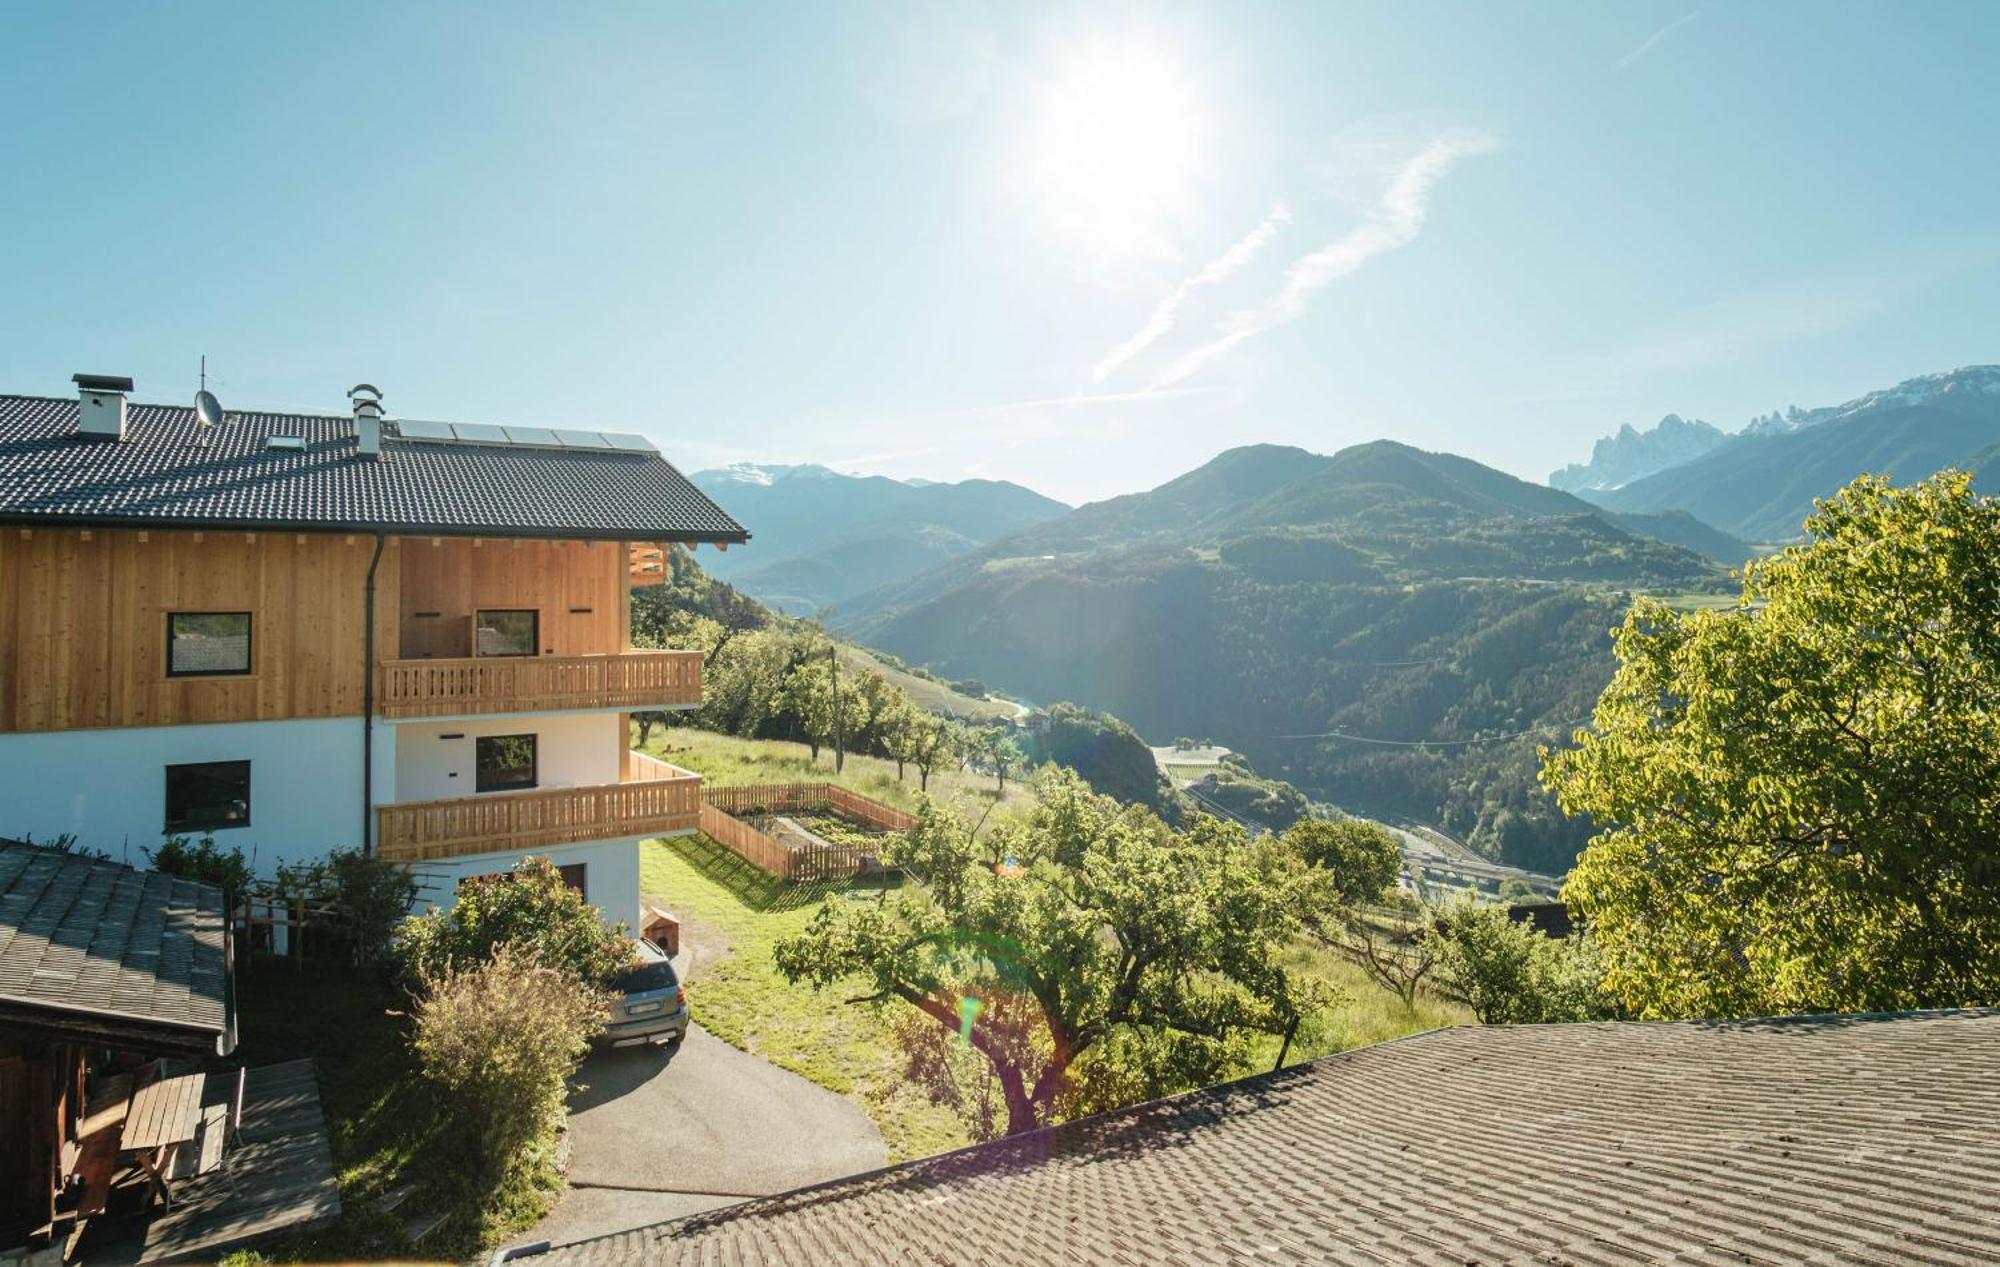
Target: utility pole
{"points": [[833, 671]]}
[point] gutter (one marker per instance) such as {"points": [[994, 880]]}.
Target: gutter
{"points": [[368, 704]]}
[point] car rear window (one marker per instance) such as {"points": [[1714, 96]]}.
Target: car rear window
{"points": [[645, 978]]}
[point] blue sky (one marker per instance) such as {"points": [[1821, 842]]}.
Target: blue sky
{"points": [[1084, 248]]}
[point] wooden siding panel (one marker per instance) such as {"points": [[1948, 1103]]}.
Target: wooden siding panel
{"points": [[456, 578], [83, 616]]}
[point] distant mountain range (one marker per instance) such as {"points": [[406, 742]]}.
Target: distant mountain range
{"points": [[1400, 598], [820, 537], [1632, 454], [1760, 484]]}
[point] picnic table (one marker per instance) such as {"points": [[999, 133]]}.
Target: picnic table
{"points": [[163, 1115]]}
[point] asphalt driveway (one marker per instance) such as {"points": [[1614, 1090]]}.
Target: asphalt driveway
{"points": [[660, 1132]]}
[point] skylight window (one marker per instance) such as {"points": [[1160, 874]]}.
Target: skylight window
{"points": [[290, 444]]}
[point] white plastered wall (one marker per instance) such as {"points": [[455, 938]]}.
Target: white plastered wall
{"points": [[108, 787], [435, 760]]}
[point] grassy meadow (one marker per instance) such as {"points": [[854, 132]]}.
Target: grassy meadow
{"points": [[726, 761]]}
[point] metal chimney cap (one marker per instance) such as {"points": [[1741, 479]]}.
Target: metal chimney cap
{"points": [[102, 382]]}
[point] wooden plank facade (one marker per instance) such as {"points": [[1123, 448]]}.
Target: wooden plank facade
{"points": [[83, 626]]}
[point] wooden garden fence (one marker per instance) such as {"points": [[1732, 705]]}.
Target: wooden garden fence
{"points": [[719, 822]]}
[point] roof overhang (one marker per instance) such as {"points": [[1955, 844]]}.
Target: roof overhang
{"points": [[62, 1023], [501, 531]]}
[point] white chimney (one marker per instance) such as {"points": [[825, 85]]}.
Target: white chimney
{"points": [[100, 405], [367, 400]]}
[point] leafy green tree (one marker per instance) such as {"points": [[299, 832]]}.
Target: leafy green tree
{"points": [[529, 908], [808, 697], [1362, 858], [1799, 797], [934, 742], [876, 701], [1110, 956], [1508, 973], [997, 748]]}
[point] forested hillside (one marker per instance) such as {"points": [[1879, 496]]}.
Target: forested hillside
{"points": [[820, 537], [1440, 616]]}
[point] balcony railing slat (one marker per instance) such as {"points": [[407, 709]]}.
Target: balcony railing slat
{"points": [[654, 798], [505, 684]]}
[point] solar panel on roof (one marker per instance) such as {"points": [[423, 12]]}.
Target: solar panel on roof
{"points": [[533, 437], [626, 442], [417, 429], [580, 439], [479, 433]]}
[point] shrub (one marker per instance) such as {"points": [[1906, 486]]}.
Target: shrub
{"points": [[201, 860], [371, 896], [530, 908], [1362, 858], [1510, 974], [501, 1037]]}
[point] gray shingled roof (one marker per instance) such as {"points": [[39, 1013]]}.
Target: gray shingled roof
{"points": [[83, 939], [1822, 1140], [160, 476]]}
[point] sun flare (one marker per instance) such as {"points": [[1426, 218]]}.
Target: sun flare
{"points": [[1117, 140]]}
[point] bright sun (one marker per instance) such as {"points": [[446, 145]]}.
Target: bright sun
{"points": [[1117, 140]]}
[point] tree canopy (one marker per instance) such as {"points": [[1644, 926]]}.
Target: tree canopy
{"points": [[528, 908], [1802, 794], [1088, 953]]}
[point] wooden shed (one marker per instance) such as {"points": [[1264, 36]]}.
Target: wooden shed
{"points": [[104, 969]]}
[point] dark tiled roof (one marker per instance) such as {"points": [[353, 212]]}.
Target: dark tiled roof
{"points": [[1824, 1140], [159, 475], [81, 938]]}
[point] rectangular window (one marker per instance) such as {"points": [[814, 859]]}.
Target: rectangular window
{"points": [[507, 633], [572, 875], [505, 763], [208, 796], [207, 644]]}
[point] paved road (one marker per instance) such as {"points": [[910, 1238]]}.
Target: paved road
{"points": [[660, 1132]]}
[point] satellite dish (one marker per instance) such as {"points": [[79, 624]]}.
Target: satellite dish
{"points": [[207, 409]]}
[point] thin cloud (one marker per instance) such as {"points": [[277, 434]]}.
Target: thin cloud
{"points": [[1100, 398], [1217, 270], [1395, 222], [1652, 41]]}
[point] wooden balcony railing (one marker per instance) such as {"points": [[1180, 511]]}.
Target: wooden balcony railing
{"points": [[526, 684], [653, 798]]}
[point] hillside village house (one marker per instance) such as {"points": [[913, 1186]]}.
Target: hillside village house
{"points": [[304, 632]]}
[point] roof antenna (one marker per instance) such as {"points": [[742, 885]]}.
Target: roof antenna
{"points": [[207, 409]]}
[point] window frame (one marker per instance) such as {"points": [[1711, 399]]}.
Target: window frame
{"points": [[249, 646], [534, 615], [203, 828], [479, 784]]}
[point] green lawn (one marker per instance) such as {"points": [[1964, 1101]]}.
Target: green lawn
{"points": [[726, 761], [742, 999]]}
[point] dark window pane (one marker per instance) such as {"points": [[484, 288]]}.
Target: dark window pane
{"points": [[208, 796], [572, 875], [505, 633], [505, 761], [201, 643]]}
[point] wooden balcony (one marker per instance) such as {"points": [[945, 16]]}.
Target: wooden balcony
{"points": [[532, 684], [653, 799]]}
